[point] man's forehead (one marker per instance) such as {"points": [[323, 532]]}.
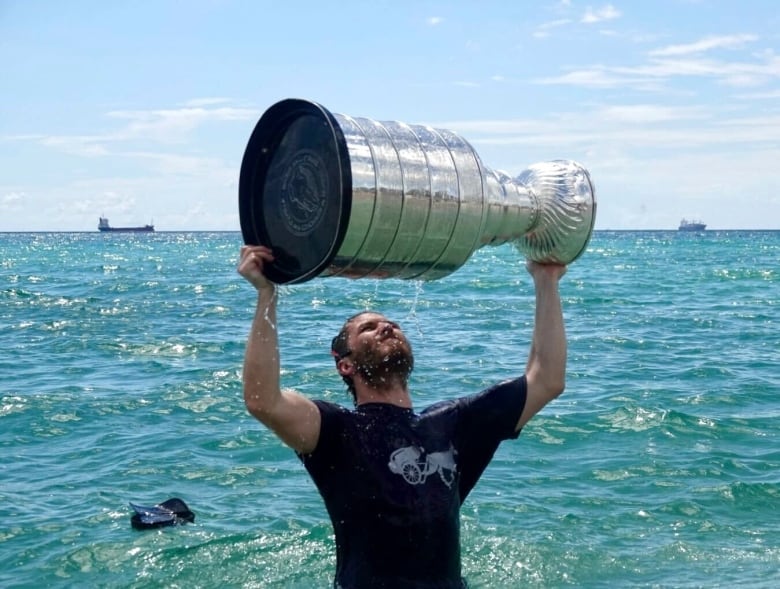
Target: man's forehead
{"points": [[367, 316]]}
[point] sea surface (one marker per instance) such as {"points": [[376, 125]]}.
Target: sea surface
{"points": [[120, 380]]}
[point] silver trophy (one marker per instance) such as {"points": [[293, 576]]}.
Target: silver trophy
{"points": [[334, 195]]}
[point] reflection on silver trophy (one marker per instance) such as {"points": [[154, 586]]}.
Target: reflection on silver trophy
{"points": [[334, 195]]}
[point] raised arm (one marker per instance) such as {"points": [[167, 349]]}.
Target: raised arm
{"points": [[292, 416], [546, 367]]}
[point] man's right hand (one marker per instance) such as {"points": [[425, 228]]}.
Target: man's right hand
{"points": [[251, 264]]}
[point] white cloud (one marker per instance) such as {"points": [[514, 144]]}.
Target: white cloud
{"points": [[171, 125], [166, 126], [543, 30], [10, 199], [607, 12], [734, 73], [706, 44], [174, 164], [81, 145], [434, 20], [649, 76], [21, 137], [630, 127], [105, 202], [596, 77], [759, 95], [649, 113]]}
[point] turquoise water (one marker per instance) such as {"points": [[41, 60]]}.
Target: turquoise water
{"points": [[120, 380]]}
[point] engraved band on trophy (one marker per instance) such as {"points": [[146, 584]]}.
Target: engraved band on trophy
{"points": [[334, 195]]}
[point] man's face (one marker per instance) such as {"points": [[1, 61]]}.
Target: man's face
{"points": [[380, 350]]}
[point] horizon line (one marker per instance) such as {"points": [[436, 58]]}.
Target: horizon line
{"points": [[95, 231]]}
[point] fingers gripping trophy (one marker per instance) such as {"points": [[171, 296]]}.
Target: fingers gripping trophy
{"points": [[334, 195]]}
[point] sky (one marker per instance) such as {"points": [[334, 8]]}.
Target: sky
{"points": [[141, 111]]}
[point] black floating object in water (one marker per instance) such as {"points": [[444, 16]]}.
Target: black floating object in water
{"points": [[168, 513]]}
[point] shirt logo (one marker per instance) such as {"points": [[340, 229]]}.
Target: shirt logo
{"points": [[410, 464]]}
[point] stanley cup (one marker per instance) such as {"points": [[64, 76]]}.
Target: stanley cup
{"points": [[334, 195]]}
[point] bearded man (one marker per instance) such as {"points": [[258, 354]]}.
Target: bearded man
{"points": [[393, 480]]}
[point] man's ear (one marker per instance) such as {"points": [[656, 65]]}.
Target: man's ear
{"points": [[345, 367]]}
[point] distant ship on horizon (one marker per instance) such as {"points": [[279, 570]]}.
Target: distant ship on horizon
{"points": [[686, 225], [104, 226]]}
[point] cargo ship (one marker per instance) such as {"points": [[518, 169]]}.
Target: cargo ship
{"points": [[104, 226], [686, 225]]}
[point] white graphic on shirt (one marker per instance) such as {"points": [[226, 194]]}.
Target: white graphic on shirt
{"points": [[415, 470]]}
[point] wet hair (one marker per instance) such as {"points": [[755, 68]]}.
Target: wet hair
{"points": [[339, 348]]}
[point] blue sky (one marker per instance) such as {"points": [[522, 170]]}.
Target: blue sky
{"points": [[141, 110]]}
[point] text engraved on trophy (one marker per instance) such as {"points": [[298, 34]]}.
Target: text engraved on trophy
{"points": [[304, 192]]}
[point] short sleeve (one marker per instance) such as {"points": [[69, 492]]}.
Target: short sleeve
{"points": [[495, 410], [484, 421], [330, 428]]}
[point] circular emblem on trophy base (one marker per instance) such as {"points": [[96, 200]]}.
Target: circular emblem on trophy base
{"points": [[303, 193]]}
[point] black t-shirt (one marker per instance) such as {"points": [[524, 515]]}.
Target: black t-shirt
{"points": [[393, 482]]}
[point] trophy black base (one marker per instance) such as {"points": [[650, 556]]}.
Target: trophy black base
{"points": [[295, 189]]}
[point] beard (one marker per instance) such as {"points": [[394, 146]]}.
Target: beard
{"points": [[383, 369]]}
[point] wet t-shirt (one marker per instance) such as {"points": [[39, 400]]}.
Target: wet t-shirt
{"points": [[393, 482]]}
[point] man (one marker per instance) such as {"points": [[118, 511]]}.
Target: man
{"points": [[393, 480]]}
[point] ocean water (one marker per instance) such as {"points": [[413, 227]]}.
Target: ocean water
{"points": [[120, 380]]}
